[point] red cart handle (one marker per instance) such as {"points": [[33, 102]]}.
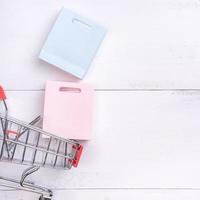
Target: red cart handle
{"points": [[2, 94], [79, 150]]}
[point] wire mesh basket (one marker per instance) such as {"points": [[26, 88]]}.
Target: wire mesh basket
{"points": [[24, 143]]}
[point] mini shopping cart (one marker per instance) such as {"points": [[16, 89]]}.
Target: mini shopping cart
{"points": [[23, 143]]}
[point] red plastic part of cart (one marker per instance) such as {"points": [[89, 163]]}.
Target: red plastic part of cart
{"points": [[2, 94], [78, 155]]}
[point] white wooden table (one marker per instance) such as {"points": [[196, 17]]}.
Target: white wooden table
{"points": [[146, 138]]}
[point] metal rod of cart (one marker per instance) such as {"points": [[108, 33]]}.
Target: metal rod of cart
{"points": [[24, 143]]}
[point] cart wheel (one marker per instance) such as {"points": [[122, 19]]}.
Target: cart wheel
{"points": [[44, 198]]}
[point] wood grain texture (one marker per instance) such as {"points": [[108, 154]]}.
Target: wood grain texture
{"points": [[150, 44], [145, 144], [140, 140], [109, 195]]}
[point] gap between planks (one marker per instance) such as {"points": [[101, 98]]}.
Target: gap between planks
{"points": [[96, 189], [114, 90]]}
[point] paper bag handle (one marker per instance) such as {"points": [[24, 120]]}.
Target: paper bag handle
{"points": [[81, 23], [70, 89]]}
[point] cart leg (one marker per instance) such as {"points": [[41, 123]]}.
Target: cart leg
{"points": [[44, 198], [46, 193]]}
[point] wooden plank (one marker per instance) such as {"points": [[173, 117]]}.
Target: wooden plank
{"points": [[109, 194], [17, 195], [150, 44], [128, 194], [140, 140]]}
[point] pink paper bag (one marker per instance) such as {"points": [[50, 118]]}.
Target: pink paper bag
{"points": [[68, 109]]}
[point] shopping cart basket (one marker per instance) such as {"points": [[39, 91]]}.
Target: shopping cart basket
{"points": [[23, 143]]}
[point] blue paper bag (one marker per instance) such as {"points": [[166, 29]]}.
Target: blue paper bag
{"points": [[72, 43]]}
